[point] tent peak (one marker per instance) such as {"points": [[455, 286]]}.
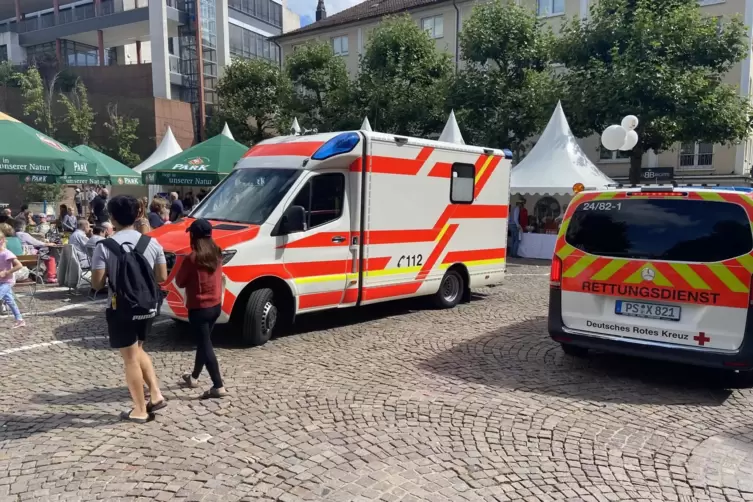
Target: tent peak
{"points": [[365, 125], [451, 131], [167, 148], [295, 129], [226, 131]]}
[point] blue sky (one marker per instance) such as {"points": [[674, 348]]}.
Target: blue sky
{"points": [[307, 8]]}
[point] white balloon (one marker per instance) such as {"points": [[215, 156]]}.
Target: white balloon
{"points": [[630, 122], [631, 139], [613, 137]]}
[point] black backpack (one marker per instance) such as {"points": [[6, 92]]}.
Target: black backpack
{"points": [[136, 296]]}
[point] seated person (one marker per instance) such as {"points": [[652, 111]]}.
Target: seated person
{"points": [[97, 235], [26, 238], [78, 240], [12, 243]]}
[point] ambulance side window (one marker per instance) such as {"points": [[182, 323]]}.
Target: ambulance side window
{"points": [[462, 183], [322, 198]]}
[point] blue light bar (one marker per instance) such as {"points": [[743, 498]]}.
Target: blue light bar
{"points": [[342, 143], [508, 153]]}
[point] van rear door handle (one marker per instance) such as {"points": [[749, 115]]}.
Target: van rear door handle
{"points": [[338, 239]]}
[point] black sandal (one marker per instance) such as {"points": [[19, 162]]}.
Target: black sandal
{"points": [[126, 417], [213, 393], [151, 407]]}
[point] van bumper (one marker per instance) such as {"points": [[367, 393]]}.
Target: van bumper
{"points": [[741, 360]]}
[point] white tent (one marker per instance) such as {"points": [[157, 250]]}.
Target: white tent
{"points": [[166, 149], [226, 132], [556, 163], [451, 131], [365, 125]]}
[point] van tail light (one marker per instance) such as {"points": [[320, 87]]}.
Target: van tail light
{"points": [[555, 276], [735, 364]]}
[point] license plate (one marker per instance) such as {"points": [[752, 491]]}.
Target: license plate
{"points": [[647, 310]]}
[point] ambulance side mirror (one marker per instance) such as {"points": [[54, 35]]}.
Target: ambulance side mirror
{"points": [[293, 220]]}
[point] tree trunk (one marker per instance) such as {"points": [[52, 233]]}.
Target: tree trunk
{"points": [[636, 158]]}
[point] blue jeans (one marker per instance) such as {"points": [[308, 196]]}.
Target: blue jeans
{"points": [[514, 240], [6, 295]]}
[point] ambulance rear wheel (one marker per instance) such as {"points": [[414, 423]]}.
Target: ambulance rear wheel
{"points": [[260, 317], [450, 290], [574, 350]]}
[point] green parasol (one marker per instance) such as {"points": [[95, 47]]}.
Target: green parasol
{"points": [[109, 171], [37, 158], [204, 164]]}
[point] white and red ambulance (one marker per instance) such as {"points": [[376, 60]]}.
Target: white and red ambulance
{"points": [[656, 271], [336, 220]]}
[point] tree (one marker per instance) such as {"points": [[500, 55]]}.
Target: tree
{"points": [[403, 81], [253, 95], [40, 192], [122, 135], [38, 99], [507, 90], [8, 78], [321, 88], [78, 112], [662, 61]]}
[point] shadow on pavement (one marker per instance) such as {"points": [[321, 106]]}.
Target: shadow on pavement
{"points": [[24, 426], [87, 396], [522, 357]]}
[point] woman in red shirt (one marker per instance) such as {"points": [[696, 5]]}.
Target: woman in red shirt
{"points": [[201, 276]]}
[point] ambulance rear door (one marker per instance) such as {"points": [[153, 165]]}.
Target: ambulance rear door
{"points": [[670, 267]]}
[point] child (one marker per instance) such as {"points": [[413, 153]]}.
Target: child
{"points": [[201, 275], [9, 265]]}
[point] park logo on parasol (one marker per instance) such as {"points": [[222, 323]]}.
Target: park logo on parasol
{"points": [[36, 179], [51, 142], [195, 164]]}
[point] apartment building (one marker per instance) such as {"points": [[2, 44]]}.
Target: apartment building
{"points": [[349, 30], [185, 43]]}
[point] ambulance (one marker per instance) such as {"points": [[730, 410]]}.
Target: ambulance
{"points": [[327, 221], [658, 271]]}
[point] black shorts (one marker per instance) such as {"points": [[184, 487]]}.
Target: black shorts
{"points": [[124, 334]]}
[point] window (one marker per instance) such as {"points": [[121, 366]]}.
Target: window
{"points": [[434, 26], [605, 154], [340, 46], [550, 7], [3, 52], [322, 199], [462, 183], [247, 195], [661, 229], [696, 155]]}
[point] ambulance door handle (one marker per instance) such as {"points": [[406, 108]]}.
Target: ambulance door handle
{"points": [[338, 239]]}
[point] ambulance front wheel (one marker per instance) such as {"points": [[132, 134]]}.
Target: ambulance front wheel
{"points": [[450, 290], [260, 317]]}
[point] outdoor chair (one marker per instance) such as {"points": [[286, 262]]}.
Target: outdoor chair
{"points": [[26, 290]]}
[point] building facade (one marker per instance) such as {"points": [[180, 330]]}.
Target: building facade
{"points": [[187, 43], [348, 32]]}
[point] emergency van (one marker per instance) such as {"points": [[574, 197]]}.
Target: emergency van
{"points": [[335, 220], [659, 271]]}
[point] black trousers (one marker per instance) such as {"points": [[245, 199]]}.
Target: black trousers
{"points": [[202, 322]]}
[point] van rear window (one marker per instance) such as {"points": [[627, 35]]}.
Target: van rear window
{"points": [[661, 229]]}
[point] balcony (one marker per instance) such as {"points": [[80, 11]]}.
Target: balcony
{"points": [[77, 13], [175, 65]]}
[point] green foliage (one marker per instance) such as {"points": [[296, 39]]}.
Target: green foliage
{"points": [[122, 135], [39, 192], [321, 88], [38, 99], [403, 81], [662, 61], [8, 78], [253, 95], [79, 113], [507, 91]]}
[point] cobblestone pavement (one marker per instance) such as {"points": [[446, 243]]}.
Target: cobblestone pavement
{"points": [[394, 402]]}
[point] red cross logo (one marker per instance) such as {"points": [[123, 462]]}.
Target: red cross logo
{"points": [[701, 338]]}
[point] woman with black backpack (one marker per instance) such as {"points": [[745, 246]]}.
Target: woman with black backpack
{"points": [[201, 276]]}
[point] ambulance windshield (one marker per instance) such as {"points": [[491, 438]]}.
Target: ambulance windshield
{"points": [[247, 195], [661, 229]]}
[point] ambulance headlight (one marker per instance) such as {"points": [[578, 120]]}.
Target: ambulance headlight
{"points": [[227, 255], [342, 143]]}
